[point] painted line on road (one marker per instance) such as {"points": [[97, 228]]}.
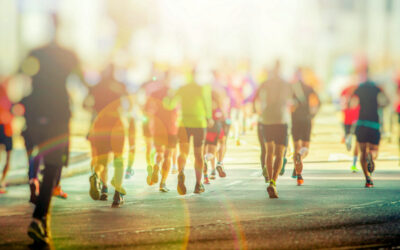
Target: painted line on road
{"points": [[233, 183]]}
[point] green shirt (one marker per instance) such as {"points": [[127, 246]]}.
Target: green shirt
{"points": [[195, 103]]}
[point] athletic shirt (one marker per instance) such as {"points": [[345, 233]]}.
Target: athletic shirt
{"points": [[168, 118], [350, 113], [301, 95], [5, 110], [107, 97], [367, 93], [195, 103], [49, 94], [275, 96]]}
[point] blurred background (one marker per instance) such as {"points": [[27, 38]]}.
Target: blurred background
{"points": [[329, 39]]}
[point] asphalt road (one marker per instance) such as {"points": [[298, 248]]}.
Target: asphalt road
{"points": [[331, 210]]}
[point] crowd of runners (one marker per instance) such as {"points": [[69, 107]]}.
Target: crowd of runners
{"points": [[174, 119]]}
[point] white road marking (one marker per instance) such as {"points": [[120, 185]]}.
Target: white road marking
{"points": [[233, 183]]}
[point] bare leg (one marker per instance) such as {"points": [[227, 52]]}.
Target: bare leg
{"points": [[166, 165], [183, 154], [269, 158], [199, 163], [363, 159], [279, 150], [6, 167]]}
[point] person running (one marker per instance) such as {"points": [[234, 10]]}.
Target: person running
{"points": [[149, 87], [214, 138], [164, 129], [107, 135], [50, 102], [273, 97], [195, 116], [306, 106], [5, 131], [370, 98], [350, 115]]}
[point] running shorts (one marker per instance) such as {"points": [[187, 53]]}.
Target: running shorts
{"points": [[215, 133], [301, 130], [276, 133], [146, 129], [167, 140], [368, 135], [198, 134], [5, 139], [107, 135]]}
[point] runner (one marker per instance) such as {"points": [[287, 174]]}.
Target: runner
{"points": [[149, 87], [273, 97], [164, 130], [350, 116], [5, 131], [195, 115], [50, 102], [107, 135], [214, 138], [370, 98], [306, 106]]}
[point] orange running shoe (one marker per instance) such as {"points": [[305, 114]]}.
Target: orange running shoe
{"points": [[300, 180], [58, 192]]}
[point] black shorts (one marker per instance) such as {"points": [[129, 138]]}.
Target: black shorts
{"points": [[168, 141], [5, 140], [214, 133], [276, 133], [226, 128], [146, 129], [368, 135], [199, 135], [301, 130]]}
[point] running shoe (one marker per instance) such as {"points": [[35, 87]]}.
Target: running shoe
{"points": [[149, 174], [199, 188], [283, 166], [3, 189], [34, 186], [94, 191], [213, 174], [104, 193], [37, 231], [163, 188], [369, 183], [221, 171], [272, 192], [300, 180], [59, 193], [154, 177], [265, 174], [118, 200], [294, 174], [354, 169], [206, 180], [181, 184], [370, 163], [174, 169], [129, 173]]}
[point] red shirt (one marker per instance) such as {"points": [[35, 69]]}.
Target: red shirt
{"points": [[5, 110], [350, 114]]}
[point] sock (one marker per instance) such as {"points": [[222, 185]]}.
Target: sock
{"points": [[355, 160], [303, 151]]}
